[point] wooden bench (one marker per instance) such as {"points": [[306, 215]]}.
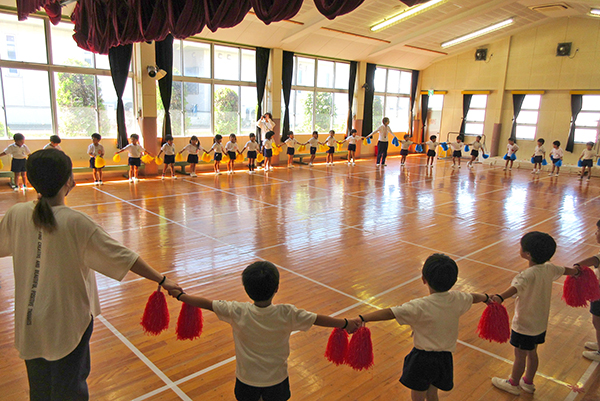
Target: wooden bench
{"points": [[301, 156]]}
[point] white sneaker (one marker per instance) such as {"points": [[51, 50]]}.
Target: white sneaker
{"points": [[537, 171], [270, 168], [218, 173], [16, 189], [556, 175], [532, 171], [384, 165], [592, 355], [95, 183], [591, 345], [135, 179], [459, 166], [174, 177], [504, 384], [193, 175], [310, 164], [162, 177], [130, 180], [354, 164], [550, 175], [377, 164], [528, 388], [510, 169], [504, 169], [100, 183], [291, 166], [249, 171]]}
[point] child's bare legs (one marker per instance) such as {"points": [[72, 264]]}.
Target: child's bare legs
{"points": [[267, 163], [403, 159], [17, 175], [430, 395], [135, 172], [525, 362], [290, 160], [216, 166], [312, 158], [130, 172]]}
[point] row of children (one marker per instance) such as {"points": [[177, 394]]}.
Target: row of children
{"points": [[262, 370]]}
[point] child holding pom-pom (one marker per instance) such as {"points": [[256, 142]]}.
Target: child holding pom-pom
{"points": [[533, 290], [261, 332], [434, 320]]}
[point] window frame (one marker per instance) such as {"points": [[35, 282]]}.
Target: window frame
{"points": [[588, 127], [482, 122], [387, 94], [537, 111]]}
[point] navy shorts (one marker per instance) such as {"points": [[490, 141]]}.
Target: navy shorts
{"points": [[457, 153], [313, 150], [525, 342], [291, 151], [252, 154], [135, 161], [586, 163], [331, 150], [403, 152], [231, 155], [218, 157], [595, 308], [431, 153], [92, 162], [268, 153], [351, 147], [554, 161], [18, 165], [278, 392], [423, 369], [476, 153], [192, 159], [169, 159], [538, 159]]}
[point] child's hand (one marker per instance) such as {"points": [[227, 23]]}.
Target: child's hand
{"points": [[496, 298], [175, 292], [171, 285], [353, 325]]}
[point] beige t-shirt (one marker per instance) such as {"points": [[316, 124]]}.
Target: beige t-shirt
{"points": [[55, 283]]}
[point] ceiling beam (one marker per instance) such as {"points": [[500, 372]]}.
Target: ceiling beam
{"points": [[314, 21]]}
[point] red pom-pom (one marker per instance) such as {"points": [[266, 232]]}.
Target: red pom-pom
{"points": [[156, 314], [494, 323], [577, 291], [337, 346], [360, 350], [189, 323]]}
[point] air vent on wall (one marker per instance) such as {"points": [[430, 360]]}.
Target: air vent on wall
{"points": [[552, 9]]}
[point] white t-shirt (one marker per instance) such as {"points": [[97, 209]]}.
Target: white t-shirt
{"points": [[556, 153], [510, 149], [352, 139], [134, 151], [432, 145], [456, 145], [434, 319], [65, 294], [383, 131], [231, 146], [217, 147], [265, 126], [49, 145], [252, 146], [17, 152], [191, 149], [168, 150], [330, 141], [313, 142], [405, 144], [262, 338], [585, 154], [291, 142], [539, 151], [268, 143], [94, 150], [477, 145], [532, 306]]}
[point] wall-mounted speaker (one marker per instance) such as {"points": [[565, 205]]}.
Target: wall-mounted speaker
{"points": [[563, 49], [480, 54]]}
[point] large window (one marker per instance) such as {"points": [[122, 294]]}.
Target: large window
{"points": [[588, 120], [434, 115], [319, 97], [60, 90], [476, 115], [528, 117], [214, 90], [392, 98]]}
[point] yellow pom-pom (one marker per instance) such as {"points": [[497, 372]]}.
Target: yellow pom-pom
{"points": [[99, 162], [302, 148], [147, 159], [205, 157], [276, 150], [117, 158], [178, 157], [1, 164], [339, 147], [260, 157], [158, 161], [225, 158], [239, 158]]}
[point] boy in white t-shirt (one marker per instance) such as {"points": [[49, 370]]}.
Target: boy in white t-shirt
{"points": [[54, 143], [261, 332], [539, 154], [434, 321], [533, 290], [587, 160], [556, 156]]}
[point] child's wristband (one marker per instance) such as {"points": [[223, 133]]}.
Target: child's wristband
{"points": [[346, 324], [361, 318], [163, 280], [487, 297], [500, 296], [180, 294]]}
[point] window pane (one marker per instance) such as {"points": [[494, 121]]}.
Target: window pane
{"points": [[103, 63], [227, 103], [527, 117], [526, 132], [406, 82], [478, 101], [305, 74], [325, 74], [3, 130], [591, 102], [587, 119], [378, 102], [342, 75], [292, 108], [434, 121], [436, 102], [22, 40], [177, 57], [65, 51], [248, 65], [76, 104], [197, 108], [397, 109], [476, 115], [107, 105], [227, 63], [323, 111], [474, 128], [531, 102], [380, 74], [28, 106], [177, 127], [340, 112], [393, 81], [248, 109], [196, 59], [303, 112], [584, 135]]}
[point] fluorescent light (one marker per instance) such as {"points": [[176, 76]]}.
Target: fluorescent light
{"points": [[409, 12], [594, 12], [478, 33]]}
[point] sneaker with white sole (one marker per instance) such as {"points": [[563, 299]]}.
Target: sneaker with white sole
{"points": [[16, 189], [504, 384], [100, 183], [528, 388], [592, 355], [592, 345], [162, 177]]}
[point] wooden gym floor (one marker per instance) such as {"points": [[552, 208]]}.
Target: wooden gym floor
{"points": [[347, 240]]}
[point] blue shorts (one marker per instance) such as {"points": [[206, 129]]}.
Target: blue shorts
{"points": [[135, 161], [92, 162], [18, 165]]}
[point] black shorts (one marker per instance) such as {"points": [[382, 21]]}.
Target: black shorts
{"points": [[525, 342], [93, 162], [538, 159], [331, 150], [169, 159], [431, 153], [313, 150], [18, 165], [278, 392], [252, 154], [595, 308], [218, 157], [554, 161], [423, 369], [351, 147], [475, 153], [135, 161], [192, 159], [586, 163], [403, 152], [268, 153], [291, 151], [231, 155], [457, 153]]}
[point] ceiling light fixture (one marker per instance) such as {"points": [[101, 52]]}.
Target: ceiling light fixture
{"points": [[594, 12], [408, 13], [478, 33]]}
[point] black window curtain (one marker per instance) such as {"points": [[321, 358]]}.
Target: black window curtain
{"points": [[262, 68], [517, 104], [466, 106], [424, 110], [287, 71], [367, 126], [164, 61], [413, 97], [119, 58], [351, 87], [576, 105]]}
